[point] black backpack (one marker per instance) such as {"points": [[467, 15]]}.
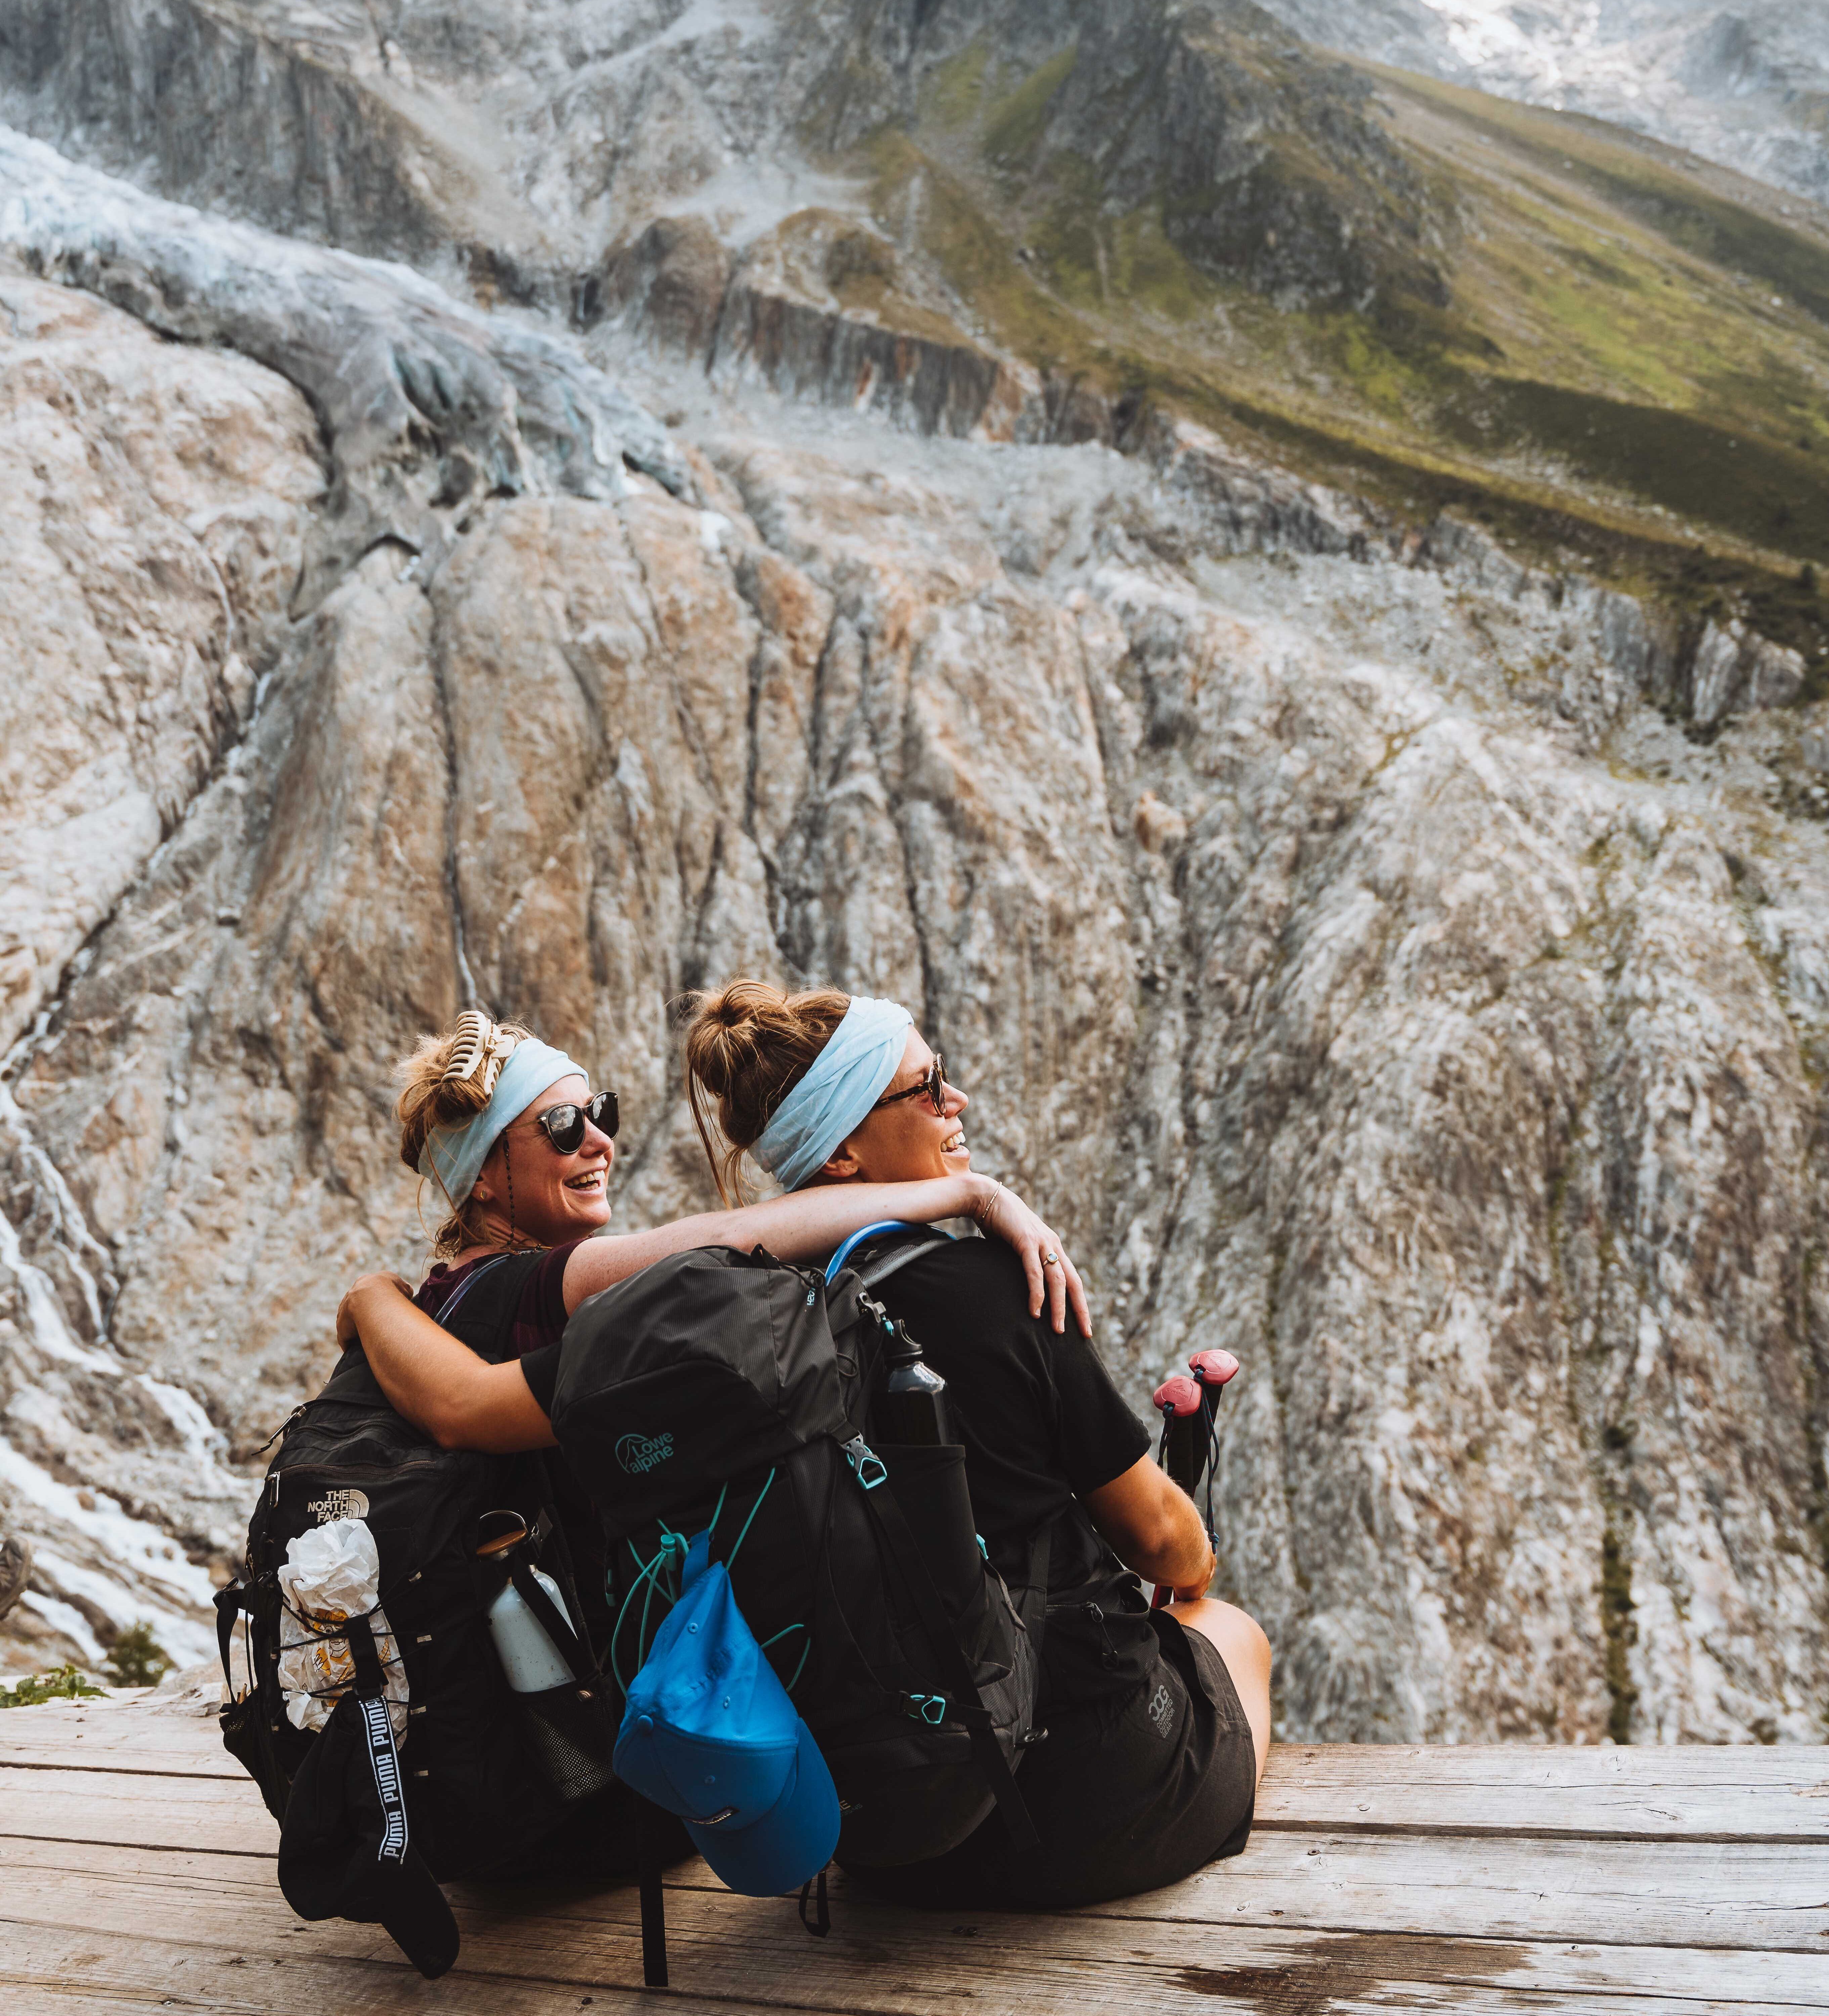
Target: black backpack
{"points": [[489, 1782], [730, 1391]]}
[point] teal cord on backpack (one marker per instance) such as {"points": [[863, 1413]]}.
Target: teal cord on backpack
{"points": [[709, 1734], [716, 1377]]}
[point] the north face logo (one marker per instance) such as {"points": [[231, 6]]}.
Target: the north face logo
{"points": [[638, 1454], [338, 1505]]}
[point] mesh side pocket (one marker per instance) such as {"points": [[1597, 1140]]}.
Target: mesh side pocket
{"points": [[570, 1738]]}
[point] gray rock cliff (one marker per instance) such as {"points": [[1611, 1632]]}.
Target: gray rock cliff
{"points": [[1403, 965]]}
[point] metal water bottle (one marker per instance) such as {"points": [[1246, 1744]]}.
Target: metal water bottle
{"points": [[911, 1408], [532, 1662]]}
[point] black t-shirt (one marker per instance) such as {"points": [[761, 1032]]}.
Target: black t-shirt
{"points": [[511, 1307], [1043, 1426]]}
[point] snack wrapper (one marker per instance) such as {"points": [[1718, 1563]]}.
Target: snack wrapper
{"points": [[331, 1574]]}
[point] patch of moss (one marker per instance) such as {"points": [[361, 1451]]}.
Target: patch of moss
{"points": [[1015, 124], [1680, 208], [956, 90], [1710, 473], [860, 270], [977, 260], [1146, 269]]}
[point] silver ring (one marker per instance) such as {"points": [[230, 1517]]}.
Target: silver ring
{"points": [[1050, 1259]]}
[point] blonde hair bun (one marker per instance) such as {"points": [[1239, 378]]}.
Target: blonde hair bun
{"points": [[747, 1047]]}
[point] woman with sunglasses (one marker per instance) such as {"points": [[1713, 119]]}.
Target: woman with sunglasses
{"points": [[506, 1131], [1158, 1722]]}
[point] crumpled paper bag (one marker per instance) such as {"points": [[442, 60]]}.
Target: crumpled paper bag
{"points": [[331, 1574]]}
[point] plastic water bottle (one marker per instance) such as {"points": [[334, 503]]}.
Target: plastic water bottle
{"points": [[532, 1662], [911, 1408]]}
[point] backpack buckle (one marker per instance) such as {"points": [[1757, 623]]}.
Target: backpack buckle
{"points": [[867, 1466], [930, 1708]]}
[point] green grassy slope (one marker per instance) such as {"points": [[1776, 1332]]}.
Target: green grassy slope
{"points": [[1594, 342]]}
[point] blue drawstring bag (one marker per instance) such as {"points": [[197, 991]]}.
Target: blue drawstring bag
{"points": [[710, 1734]]}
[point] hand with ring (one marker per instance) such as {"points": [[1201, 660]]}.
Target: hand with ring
{"points": [[1054, 1282]]}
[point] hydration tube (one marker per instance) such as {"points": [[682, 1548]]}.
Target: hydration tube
{"points": [[858, 1237], [870, 1233]]}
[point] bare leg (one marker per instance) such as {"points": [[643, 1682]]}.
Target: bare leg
{"points": [[1241, 1642]]}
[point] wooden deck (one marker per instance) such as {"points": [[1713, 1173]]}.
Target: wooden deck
{"points": [[136, 1873]]}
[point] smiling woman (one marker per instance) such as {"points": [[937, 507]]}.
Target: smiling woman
{"points": [[509, 1134]]}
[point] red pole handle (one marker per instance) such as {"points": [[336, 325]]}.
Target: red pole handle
{"points": [[1179, 1396], [1213, 1368]]}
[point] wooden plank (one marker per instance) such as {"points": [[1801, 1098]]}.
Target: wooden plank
{"points": [[1747, 1896], [1691, 1791], [1739, 1896], [880, 1961], [1688, 1790], [1727, 1896], [53, 1971], [149, 1812], [173, 1748]]}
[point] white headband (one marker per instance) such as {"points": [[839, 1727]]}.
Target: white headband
{"points": [[453, 1157], [842, 1084]]}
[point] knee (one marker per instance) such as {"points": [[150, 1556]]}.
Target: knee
{"points": [[1251, 1637]]}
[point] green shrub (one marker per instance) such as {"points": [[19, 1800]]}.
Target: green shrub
{"points": [[138, 1659]]}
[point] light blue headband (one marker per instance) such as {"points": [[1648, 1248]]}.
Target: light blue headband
{"points": [[843, 1083], [453, 1157]]}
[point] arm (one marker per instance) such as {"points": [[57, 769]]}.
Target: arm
{"points": [[807, 1224], [1153, 1528], [460, 1400]]}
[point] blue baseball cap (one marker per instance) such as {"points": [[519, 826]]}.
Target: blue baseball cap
{"points": [[710, 1734]]}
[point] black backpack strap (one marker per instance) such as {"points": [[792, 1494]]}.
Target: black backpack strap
{"points": [[820, 1924], [967, 1703], [566, 1641], [447, 1309], [230, 1603], [378, 1732], [649, 1823]]}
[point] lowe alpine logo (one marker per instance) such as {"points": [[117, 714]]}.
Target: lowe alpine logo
{"points": [[338, 1505], [638, 1454]]}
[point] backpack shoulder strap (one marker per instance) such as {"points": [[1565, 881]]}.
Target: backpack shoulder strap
{"points": [[480, 1310], [967, 1703], [886, 1260]]}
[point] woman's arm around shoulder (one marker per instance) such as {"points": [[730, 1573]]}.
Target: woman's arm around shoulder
{"points": [[808, 1224], [439, 1385]]}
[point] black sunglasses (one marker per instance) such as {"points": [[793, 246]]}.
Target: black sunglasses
{"points": [[933, 1085], [564, 1126]]}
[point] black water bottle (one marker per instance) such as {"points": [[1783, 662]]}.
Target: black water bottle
{"points": [[911, 1408]]}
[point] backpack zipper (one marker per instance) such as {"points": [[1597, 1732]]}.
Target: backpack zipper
{"points": [[1092, 1612]]}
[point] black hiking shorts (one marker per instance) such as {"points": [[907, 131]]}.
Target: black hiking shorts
{"points": [[1127, 1794]]}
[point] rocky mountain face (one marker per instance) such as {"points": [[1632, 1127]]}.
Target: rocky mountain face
{"points": [[1401, 962], [1744, 85]]}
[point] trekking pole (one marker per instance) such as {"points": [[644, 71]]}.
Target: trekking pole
{"points": [[1182, 1401], [1190, 1437]]}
